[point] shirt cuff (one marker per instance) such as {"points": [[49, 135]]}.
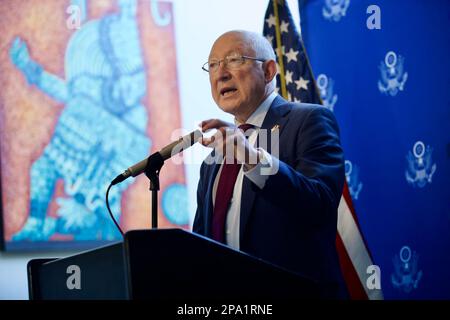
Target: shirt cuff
{"points": [[265, 168]]}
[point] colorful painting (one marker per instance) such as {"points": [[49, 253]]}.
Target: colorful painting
{"points": [[88, 88]]}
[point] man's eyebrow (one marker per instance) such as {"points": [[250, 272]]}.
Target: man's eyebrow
{"points": [[229, 53]]}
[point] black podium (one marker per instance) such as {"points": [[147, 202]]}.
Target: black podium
{"points": [[164, 264]]}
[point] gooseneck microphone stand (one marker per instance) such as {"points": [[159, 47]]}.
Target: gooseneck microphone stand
{"points": [[154, 165]]}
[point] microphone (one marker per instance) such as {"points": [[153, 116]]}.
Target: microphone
{"points": [[160, 156]]}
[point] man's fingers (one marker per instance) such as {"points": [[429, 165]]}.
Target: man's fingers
{"points": [[228, 141], [211, 124], [214, 124], [207, 141], [204, 123]]}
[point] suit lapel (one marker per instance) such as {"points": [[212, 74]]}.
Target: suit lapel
{"points": [[209, 198], [276, 115]]}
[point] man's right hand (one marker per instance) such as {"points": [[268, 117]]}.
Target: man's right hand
{"points": [[221, 126], [230, 142]]}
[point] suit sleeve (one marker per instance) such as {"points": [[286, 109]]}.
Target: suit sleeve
{"points": [[314, 181]]}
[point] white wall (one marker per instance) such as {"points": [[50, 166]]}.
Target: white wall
{"points": [[13, 272], [197, 23]]}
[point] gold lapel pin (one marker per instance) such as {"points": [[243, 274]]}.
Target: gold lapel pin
{"points": [[275, 127]]}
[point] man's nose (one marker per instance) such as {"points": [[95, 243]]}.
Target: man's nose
{"points": [[223, 73]]}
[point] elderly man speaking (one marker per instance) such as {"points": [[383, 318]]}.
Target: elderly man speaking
{"points": [[287, 213]]}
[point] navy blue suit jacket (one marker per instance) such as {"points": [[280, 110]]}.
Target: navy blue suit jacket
{"points": [[292, 221]]}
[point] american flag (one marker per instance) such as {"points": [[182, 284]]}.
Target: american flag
{"points": [[295, 82]]}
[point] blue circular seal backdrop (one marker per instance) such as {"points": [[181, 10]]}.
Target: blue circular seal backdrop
{"points": [[392, 103]]}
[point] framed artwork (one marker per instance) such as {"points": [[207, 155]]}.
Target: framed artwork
{"points": [[88, 88]]}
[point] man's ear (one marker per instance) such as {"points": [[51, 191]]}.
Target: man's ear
{"points": [[270, 70]]}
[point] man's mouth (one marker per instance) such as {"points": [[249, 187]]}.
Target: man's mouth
{"points": [[224, 92]]}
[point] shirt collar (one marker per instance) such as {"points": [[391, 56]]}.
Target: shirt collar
{"points": [[256, 119]]}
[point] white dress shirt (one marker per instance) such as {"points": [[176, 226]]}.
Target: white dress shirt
{"points": [[232, 223]]}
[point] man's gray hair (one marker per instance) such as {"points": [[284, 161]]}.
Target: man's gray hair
{"points": [[262, 47]]}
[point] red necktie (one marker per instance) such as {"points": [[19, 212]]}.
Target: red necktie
{"points": [[224, 194]]}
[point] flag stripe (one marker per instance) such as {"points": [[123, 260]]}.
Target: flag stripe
{"points": [[352, 280], [355, 248], [348, 199]]}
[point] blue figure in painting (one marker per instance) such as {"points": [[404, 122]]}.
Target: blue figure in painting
{"points": [[101, 129]]}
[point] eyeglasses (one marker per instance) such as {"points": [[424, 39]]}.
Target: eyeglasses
{"points": [[230, 62]]}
